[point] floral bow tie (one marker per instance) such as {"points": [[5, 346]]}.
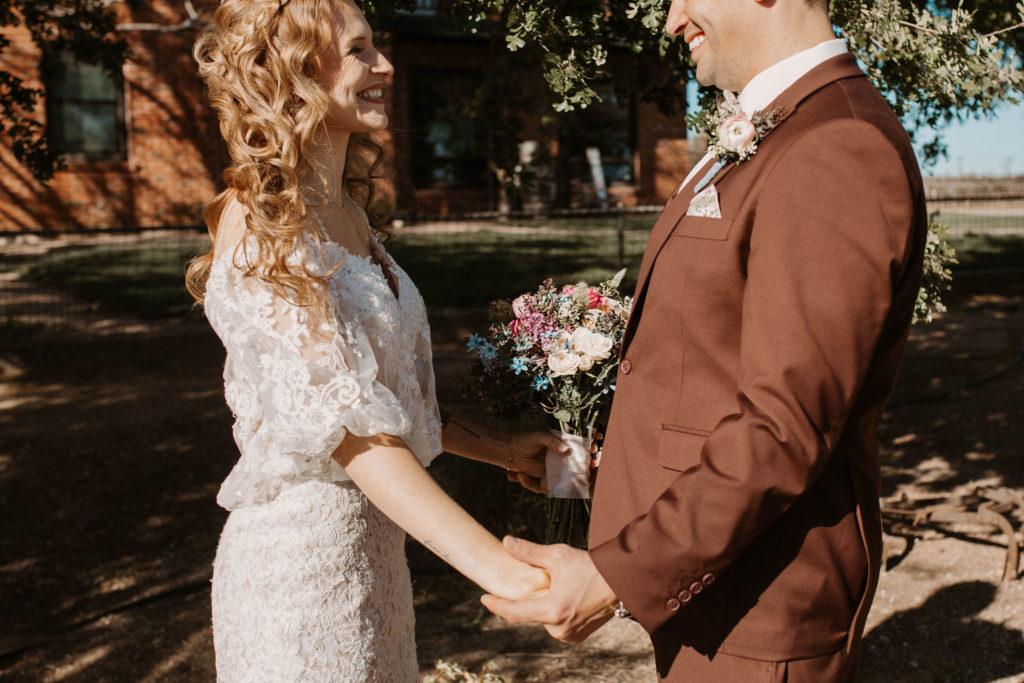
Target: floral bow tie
{"points": [[733, 136]]}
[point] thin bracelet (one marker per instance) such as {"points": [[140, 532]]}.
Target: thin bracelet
{"points": [[508, 465]]}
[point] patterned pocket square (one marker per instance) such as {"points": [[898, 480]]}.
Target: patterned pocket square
{"points": [[705, 204]]}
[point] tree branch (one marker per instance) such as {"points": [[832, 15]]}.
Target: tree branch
{"points": [[194, 21], [901, 22], [1004, 30]]}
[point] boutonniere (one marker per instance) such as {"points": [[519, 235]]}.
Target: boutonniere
{"points": [[733, 136]]}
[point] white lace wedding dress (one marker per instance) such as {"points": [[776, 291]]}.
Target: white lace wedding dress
{"points": [[310, 579]]}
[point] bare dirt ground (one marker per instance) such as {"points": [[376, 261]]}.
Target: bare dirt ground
{"points": [[112, 449]]}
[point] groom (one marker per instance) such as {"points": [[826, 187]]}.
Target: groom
{"points": [[736, 510]]}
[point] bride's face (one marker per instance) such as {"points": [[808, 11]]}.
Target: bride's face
{"points": [[354, 72]]}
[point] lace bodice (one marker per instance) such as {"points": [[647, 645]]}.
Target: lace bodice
{"points": [[298, 380]]}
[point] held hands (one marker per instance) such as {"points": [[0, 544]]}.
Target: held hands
{"points": [[578, 602], [520, 581]]}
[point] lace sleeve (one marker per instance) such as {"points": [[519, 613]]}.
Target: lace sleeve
{"points": [[314, 376]]}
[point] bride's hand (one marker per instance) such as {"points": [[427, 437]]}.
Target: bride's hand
{"points": [[526, 461], [520, 581]]}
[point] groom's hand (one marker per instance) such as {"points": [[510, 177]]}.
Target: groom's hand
{"points": [[578, 602]]}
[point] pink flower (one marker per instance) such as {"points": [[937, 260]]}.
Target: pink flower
{"points": [[515, 327], [736, 133], [596, 298], [519, 306]]}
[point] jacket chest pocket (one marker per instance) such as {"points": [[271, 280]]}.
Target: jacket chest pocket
{"points": [[702, 228], [679, 447]]}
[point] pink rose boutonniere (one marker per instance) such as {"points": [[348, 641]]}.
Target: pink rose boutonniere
{"points": [[732, 135]]}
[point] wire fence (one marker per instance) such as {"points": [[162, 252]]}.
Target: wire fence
{"points": [[94, 283]]}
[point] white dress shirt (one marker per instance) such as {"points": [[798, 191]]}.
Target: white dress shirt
{"points": [[773, 81]]}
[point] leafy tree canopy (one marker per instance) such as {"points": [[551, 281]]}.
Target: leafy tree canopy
{"points": [[935, 60]]}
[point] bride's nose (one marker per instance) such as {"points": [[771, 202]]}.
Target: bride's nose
{"points": [[382, 67]]}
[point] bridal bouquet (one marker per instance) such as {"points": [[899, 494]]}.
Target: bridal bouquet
{"points": [[555, 350]]}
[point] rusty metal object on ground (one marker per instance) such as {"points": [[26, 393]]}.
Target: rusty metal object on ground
{"points": [[986, 506]]}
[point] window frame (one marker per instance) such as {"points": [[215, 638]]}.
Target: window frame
{"points": [[58, 66]]}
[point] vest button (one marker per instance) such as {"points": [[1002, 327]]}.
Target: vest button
{"points": [[672, 604], [626, 366]]}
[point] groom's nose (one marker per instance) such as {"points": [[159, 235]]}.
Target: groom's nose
{"points": [[677, 20]]}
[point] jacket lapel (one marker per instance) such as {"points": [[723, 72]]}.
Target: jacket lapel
{"points": [[829, 71]]}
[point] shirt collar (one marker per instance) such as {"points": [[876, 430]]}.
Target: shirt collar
{"points": [[770, 83]]}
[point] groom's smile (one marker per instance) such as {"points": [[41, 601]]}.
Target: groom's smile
{"points": [[727, 39], [696, 41]]}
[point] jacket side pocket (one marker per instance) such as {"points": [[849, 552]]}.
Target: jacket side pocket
{"points": [[679, 447], [703, 228]]}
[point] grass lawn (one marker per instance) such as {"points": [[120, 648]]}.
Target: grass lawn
{"points": [[981, 252], [468, 270], [453, 270], [143, 278], [974, 223]]}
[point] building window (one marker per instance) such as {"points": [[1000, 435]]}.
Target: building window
{"points": [[84, 111], [449, 146]]}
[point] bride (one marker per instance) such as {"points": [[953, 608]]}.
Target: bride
{"points": [[328, 369]]}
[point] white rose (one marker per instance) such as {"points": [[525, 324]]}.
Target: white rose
{"points": [[586, 362], [736, 133], [591, 343], [562, 362]]}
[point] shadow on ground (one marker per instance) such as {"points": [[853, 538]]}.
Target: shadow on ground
{"points": [[969, 649]]}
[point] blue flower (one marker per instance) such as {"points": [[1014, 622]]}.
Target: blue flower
{"points": [[541, 382], [488, 351], [518, 364], [475, 342]]}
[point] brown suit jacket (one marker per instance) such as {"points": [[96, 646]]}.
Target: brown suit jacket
{"points": [[736, 506]]}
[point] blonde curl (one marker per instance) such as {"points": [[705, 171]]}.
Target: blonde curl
{"points": [[258, 64]]}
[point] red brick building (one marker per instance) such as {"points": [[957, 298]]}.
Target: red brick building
{"points": [[144, 149]]}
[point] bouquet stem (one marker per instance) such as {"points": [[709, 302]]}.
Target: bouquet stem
{"points": [[568, 521]]}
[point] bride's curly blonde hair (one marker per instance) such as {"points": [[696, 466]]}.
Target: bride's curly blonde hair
{"points": [[258, 64]]}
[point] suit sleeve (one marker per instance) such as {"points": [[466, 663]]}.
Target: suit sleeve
{"points": [[828, 244]]}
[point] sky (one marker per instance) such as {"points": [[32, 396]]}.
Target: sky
{"points": [[989, 147]]}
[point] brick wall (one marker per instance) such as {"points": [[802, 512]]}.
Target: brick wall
{"points": [[174, 153]]}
